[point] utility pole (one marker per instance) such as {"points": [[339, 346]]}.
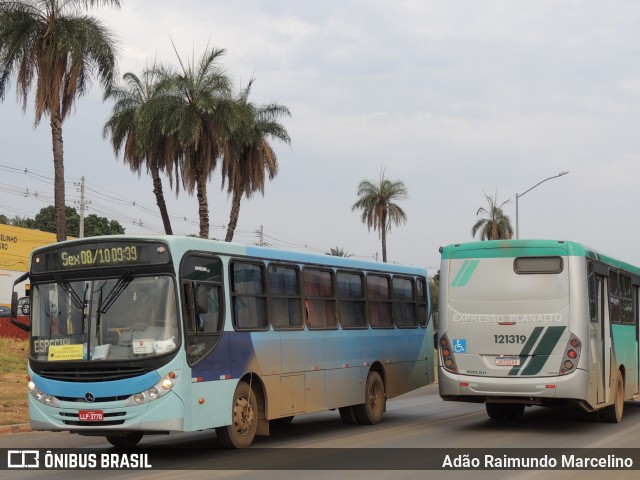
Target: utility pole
{"points": [[83, 205], [262, 235]]}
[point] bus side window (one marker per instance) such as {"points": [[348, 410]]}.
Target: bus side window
{"points": [[207, 308], [189, 307]]}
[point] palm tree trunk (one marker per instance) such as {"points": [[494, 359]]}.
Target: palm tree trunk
{"points": [[58, 183], [235, 213], [383, 236], [162, 205], [203, 205]]}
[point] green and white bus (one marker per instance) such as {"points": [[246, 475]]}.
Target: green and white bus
{"points": [[537, 322]]}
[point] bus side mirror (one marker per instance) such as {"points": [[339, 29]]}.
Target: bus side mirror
{"points": [[14, 305], [14, 313]]}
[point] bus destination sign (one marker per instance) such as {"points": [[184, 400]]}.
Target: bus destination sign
{"points": [[103, 254]]}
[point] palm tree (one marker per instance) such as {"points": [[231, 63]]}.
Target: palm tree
{"points": [[196, 111], [54, 44], [497, 225], [379, 210], [338, 252], [249, 157], [144, 143]]}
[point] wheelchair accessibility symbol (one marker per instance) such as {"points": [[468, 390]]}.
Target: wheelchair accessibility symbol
{"points": [[459, 345]]}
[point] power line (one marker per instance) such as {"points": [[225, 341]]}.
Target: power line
{"points": [[110, 204]]}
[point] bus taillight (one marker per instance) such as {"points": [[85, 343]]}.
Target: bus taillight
{"points": [[571, 356], [448, 362]]}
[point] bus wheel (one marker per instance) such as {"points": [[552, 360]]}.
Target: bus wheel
{"points": [[513, 411], [613, 413], [370, 412], [348, 415], [495, 410], [125, 441], [241, 433], [283, 420]]}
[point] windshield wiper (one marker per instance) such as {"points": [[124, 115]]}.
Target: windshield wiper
{"points": [[73, 295], [122, 283]]}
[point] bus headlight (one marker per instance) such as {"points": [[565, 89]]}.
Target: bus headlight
{"points": [[40, 396], [160, 389]]}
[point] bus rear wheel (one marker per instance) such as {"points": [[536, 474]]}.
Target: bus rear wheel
{"points": [[509, 411], [244, 411], [348, 415], [370, 412], [125, 441], [613, 413]]}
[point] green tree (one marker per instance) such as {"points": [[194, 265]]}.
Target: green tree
{"points": [[434, 291], [248, 157], [4, 219], [45, 220], [94, 226], [136, 131], [196, 109], [379, 210], [338, 252], [22, 222], [54, 44], [496, 225]]}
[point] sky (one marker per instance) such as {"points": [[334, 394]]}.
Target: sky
{"points": [[456, 98]]}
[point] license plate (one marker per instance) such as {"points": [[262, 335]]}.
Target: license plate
{"points": [[91, 415], [508, 361]]}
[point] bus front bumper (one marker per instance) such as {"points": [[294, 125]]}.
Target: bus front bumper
{"points": [[161, 415]]}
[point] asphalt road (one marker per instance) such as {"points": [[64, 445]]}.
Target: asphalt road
{"points": [[318, 442]]}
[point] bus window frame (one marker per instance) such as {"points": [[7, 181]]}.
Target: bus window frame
{"points": [[413, 302], [271, 296], [389, 300], [233, 295], [363, 299], [330, 298]]}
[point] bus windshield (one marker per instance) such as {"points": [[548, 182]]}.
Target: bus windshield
{"points": [[120, 318]]}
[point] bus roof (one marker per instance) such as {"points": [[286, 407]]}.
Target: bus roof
{"points": [[181, 244], [517, 248]]}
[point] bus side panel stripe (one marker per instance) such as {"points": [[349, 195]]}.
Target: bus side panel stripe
{"points": [[543, 350], [465, 272], [462, 269], [468, 272], [527, 348]]}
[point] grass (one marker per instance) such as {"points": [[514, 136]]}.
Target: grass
{"points": [[13, 370]]}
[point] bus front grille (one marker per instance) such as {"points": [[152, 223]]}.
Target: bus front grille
{"points": [[93, 375]]}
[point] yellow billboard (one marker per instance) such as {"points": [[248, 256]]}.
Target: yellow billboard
{"points": [[16, 245]]}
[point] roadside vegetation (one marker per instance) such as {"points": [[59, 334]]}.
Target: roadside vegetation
{"points": [[13, 371]]}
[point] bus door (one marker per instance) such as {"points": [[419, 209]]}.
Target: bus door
{"points": [[598, 329]]}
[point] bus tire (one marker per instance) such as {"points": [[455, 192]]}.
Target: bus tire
{"points": [[244, 412], [129, 440], [348, 415], [283, 420], [370, 412], [495, 410], [513, 411], [613, 413]]}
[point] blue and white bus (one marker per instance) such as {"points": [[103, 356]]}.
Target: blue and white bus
{"points": [[132, 336], [538, 322]]}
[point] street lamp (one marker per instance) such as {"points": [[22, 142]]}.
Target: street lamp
{"points": [[521, 194]]}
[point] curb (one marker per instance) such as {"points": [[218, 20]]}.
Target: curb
{"points": [[19, 428]]}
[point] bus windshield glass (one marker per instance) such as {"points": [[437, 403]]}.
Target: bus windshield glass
{"points": [[121, 318]]}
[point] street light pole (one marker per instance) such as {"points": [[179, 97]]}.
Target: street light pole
{"points": [[527, 191]]}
